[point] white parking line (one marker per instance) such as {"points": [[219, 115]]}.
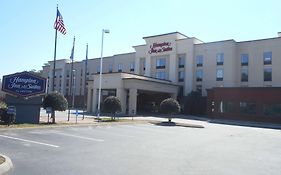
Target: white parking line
{"points": [[80, 137], [29, 141]]}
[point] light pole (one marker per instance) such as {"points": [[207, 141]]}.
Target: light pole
{"points": [[99, 100], [73, 88]]}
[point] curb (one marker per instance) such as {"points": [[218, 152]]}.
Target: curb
{"points": [[7, 166]]}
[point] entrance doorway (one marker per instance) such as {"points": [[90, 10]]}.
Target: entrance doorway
{"points": [[149, 101]]}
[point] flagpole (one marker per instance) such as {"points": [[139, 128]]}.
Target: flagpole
{"points": [[71, 77], [55, 55], [85, 82]]}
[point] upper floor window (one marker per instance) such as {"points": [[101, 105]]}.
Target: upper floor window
{"points": [[181, 76], [110, 68], [120, 67], [160, 75], [181, 61], [244, 59], [67, 73], [199, 60], [220, 58], [219, 74], [98, 69], [132, 66], [267, 57], [143, 64], [267, 74], [244, 75], [199, 75], [160, 63]]}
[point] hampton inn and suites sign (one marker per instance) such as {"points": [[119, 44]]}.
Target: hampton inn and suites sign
{"points": [[24, 84], [160, 47]]}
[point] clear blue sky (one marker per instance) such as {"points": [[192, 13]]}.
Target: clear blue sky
{"points": [[27, 34]]}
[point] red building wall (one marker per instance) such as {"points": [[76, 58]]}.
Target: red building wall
{"points": [[259, 97]]}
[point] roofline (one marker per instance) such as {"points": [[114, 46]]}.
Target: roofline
{"points": [[216, 42], [165, 34], [140, 45], [259, 39]]}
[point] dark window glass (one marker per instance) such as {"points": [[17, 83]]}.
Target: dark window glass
{"points": [[219, 74], [267, 74], [199, 60], [248, 108], [267, 57], [220, 58], [272, 109], [244, 75], [244, 59]]}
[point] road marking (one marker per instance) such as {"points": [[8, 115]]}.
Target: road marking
{"points": [[80, 137], [29, 141]]}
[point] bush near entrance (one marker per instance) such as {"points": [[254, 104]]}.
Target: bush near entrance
{"points": [[170, 106], [56, 101], [112, 105], [3, 112]]}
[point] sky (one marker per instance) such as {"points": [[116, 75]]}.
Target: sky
{"points": [[27, 35]]}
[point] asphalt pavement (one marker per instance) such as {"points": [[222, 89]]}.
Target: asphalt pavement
{"points": [[143, 149]]}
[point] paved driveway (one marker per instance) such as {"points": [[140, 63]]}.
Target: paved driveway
{"points": [[143, 149]]}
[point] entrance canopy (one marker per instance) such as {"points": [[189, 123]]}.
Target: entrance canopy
{"points": [[127, 87]]}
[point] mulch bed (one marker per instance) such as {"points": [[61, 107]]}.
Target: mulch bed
{"points": [[2, 160]]}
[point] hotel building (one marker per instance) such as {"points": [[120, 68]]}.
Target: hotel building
{"points": [[172, 65]]}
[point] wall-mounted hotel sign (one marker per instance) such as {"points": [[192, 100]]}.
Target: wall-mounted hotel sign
{"points": [[24, 84], [160, 47]]}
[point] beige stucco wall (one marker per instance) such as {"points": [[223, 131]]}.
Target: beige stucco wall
{"points": [[190, 47]]}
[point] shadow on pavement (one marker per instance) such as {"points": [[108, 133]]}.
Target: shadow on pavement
{"points": [[173, 124], [246, 124]]}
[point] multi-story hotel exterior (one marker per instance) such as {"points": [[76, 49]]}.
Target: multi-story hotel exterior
{"points": [[171, 65]]}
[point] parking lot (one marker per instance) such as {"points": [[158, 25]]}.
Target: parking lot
{"points": [[143, 149]]}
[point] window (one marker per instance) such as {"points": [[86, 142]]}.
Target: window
{"points": [[248, 108], [67, 73], [160, 75], [267, 57], [81, 72], [181, 76], [226, 106], [267, 74], [199, 88], [160, 63], [98, 69], [244, 59], [220, 58], [199, 60], [181, 61], [120, 67], [199, 75], [244, 75], [219, 74], [272, 109], [110, 67], [132, 66], [143, 64]]}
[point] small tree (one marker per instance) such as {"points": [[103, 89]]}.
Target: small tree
{"points": [[112, 105], [3, 111], [170, 106], [56, 101]]}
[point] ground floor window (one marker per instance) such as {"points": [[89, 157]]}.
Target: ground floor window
{"points": [[226, 107], [272, 109], [248, 108]]}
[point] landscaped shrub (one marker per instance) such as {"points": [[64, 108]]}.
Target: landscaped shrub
{"points": [[170, 106], [112, 105], [56, 101]]}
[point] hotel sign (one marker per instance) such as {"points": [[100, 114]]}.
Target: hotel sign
{"points": [[24, 84], [160, 47]]}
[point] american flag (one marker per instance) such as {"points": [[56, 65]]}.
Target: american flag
{"points": [[59, 25]]}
